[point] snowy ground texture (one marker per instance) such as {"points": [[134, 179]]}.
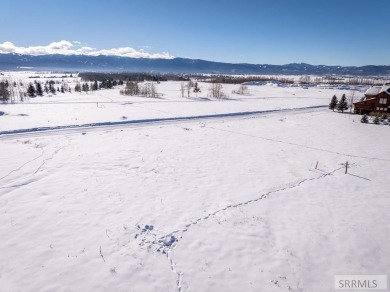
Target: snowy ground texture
{"points": [[218, 203]]}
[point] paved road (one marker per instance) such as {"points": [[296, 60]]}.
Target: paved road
{"points": [[81, 128]]}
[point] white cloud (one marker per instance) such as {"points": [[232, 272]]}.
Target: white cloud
{"points": [[62, 45], [74, 48]]}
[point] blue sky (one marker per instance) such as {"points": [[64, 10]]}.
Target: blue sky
{"points": [[329, 32]]}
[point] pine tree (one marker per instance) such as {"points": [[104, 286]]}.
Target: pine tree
{"points": [[196, 89], [51, 88], [95, 86], [4, 92], [333, 103], [31, 90], [39, 90], [85, 87], [342, 104], [62, 89], [376, 120], [364, 119]]}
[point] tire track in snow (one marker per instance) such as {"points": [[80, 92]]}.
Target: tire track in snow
{"points": [[167, 243], [55, 152], [44, 161], [23, 165]]}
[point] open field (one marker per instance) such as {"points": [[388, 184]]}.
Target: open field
{"points": [[197, 195]]}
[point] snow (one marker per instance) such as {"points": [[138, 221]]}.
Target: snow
{"points": [[385, 88], [374, 90], [225, 203]]}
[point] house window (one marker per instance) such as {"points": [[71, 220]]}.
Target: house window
{"points": [[383, 101], [377, 108]]}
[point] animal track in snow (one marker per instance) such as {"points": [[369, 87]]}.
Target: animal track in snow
{"points": [[167, 243]]}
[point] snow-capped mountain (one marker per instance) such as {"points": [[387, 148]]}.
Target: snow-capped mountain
{"points": [[175, 65]]}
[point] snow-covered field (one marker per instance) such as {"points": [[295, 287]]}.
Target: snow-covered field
{"points": [[198, 195]]}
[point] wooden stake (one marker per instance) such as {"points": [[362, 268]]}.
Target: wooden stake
{"points": [[346, 167], [316, 164]]}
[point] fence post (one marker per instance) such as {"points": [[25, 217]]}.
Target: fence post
{"points": [[346, 167]]}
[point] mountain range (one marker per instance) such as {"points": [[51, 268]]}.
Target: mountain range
{"points": [[14, 62]]}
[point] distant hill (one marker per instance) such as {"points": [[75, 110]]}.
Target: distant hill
{"points": [[15, 62]]}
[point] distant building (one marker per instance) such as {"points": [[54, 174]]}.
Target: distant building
{"points": [[376, 100]]}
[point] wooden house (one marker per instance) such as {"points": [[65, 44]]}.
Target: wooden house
{"points": [[376, 101]]}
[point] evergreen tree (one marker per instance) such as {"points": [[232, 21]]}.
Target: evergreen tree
{"points": [[95, 86], [342, 104], [62, 89], [31, 90], [364, 119], [39, 91], [4, 92], [333, 103], [376, 120], [103, 84], [51, 88], [46, 88], [85, 87], [196, 89]]}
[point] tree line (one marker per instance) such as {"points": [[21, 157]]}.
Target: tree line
{"points": [[304, 79], [135, 77], [226, 79], [147, 89], [37, 88], [13, 91], [95, 85]]}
